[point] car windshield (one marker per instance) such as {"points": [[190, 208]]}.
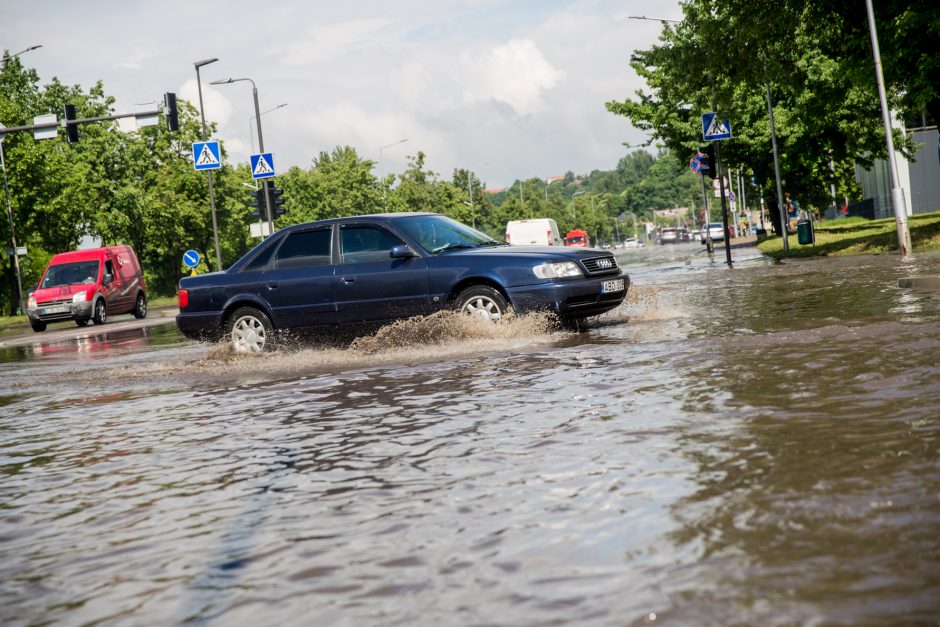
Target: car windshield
{"points": [[439, 233], [71, 273]]}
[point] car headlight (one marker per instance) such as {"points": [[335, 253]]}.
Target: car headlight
{"points": [[557, 270], [31, 303], [78, 297]]}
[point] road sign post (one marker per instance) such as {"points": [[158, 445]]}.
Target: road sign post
{"points": [[191, 260]]}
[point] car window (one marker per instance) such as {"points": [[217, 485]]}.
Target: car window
{"points": [[261, 260], [360, 244], [303, 249], [71, 274]]}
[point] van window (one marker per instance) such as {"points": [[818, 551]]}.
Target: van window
{"points": [[74, 273], [303, 249]]}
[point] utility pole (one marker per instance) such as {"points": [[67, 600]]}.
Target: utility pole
{"points": [[897, 192]]}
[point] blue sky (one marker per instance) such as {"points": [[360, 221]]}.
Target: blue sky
{"points": [[508, 89]]}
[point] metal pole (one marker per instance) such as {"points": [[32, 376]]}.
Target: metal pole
{"points": [[16, 257], [709, 244], [205, 136], [897, 192], [382, 169], [473, 217], [267, 188], [724, 206], [773, 142]]}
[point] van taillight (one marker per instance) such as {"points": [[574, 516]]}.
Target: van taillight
{"points": [[507, 238], [183, 298], [548, 234]]}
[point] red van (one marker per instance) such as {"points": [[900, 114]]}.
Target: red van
{"points": [[86, 285], [578, 237]]}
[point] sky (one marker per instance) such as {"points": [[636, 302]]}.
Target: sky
{"points": [[507, 89]]}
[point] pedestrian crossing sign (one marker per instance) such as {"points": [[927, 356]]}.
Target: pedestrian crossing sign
{"points": [[262, 166], [714, 128], [207, 156]]}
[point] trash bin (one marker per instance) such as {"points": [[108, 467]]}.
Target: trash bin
{"points": [[804, 232]]}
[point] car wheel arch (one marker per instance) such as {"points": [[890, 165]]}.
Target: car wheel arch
{"points": [[238, 302], [471, 281]]}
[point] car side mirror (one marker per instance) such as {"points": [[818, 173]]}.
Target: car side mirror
{"points": [[107, 278], [401, 252]]}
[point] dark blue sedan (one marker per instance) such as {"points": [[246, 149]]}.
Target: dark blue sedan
{"points": [[379, 268]]}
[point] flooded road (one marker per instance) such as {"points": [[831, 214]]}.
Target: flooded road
{"points": [[758, 445]]}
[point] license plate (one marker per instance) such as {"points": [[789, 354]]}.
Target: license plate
{"points": [[55, 310], [612, 286]]}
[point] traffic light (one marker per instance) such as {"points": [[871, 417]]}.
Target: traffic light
{"points": [[709, 166], [276, 201], [257, 201], [170, 111], [71, 130]]}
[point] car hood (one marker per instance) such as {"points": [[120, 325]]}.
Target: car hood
{"points": [[559, 253]]}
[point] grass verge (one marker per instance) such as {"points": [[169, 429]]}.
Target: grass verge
{"points": [[858, 236]]}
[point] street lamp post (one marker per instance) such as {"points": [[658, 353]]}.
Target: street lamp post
{"points": [[574, 206], [267, 188], [251, 124], [382, 168], [16, 256], [6, 190], [897, 192], [205, 136]]}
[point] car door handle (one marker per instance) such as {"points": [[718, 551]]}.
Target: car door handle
{"points": [[272, 286], [347, 280]]}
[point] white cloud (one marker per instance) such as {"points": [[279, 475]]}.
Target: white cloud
{"points": [[218, 108], [326, 41], [515, 73]]}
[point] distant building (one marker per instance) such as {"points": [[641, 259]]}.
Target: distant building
{"points": [[920, 180]]}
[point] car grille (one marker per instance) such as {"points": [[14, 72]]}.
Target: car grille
{"points": [[53, 303], [600, 265]]}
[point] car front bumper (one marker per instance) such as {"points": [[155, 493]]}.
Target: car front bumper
{"points": [[571, 298], [56, 312]]}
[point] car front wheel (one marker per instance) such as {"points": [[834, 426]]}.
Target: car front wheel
{"points": [[38, 325], [482, 301], [101, 312], [250, 331]]}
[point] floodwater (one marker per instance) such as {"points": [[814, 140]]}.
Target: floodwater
{"points": [[756, 445]]}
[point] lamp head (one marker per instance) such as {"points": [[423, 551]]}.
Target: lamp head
{"points": [[199, 64]]}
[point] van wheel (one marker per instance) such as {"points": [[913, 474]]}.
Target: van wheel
{"points": [[101, 312], [250, 331], [37, 325], [140, 306], [82, 322], [482, 301]]}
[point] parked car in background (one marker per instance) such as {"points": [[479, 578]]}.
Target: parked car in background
{"points": [[578, 237], [631, 242], [668, 235], [533, 232], [88, 285], [380, 268], [683, 234], [715, 229]]}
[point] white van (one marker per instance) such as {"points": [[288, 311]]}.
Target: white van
{"points": [[537, 232]]}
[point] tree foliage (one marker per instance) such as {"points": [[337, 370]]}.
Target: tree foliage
{"points": [[815, 58]]}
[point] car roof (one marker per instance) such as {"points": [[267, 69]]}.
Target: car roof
{"points": [[380, 217]]}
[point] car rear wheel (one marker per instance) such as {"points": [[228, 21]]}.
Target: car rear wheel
{"points": [[38, 326], [482, 301], [250, 331], [140, 306], [101, 312]]}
